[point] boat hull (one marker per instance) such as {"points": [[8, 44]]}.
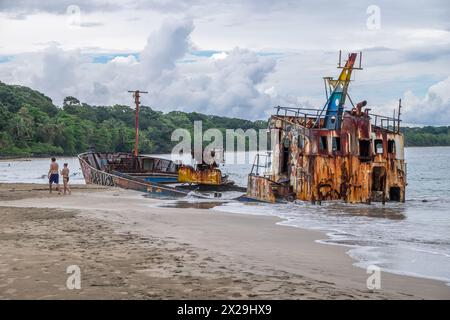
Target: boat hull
{"points": [[94, 175]]}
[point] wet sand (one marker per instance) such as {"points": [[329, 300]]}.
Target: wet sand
{"points": [[128, 248]]}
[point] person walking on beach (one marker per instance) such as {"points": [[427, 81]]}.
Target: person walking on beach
{"points": [[65, 175], [53, 175]]}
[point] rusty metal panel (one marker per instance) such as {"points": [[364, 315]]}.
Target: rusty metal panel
{"points": [[260, 188], [210, 176]]}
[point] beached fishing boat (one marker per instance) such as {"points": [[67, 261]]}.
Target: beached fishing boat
{"points": [[157, 176], [125, 170], [337, 152]]}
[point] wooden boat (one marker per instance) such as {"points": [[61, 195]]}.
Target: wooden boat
{"points": [[124, 170]]}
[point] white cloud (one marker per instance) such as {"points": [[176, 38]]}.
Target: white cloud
{"points": [[433, 108], [228, 86], [219, 56], [409, 52], [128, 60], [165, 46], [225, 87], [223, 25], [52, 71]]}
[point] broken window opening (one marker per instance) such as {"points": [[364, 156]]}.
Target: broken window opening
{"points": [[364, 150], [323, 143], [336, 144], [285, 160], [378, 178], [286, 142], [394, 194], [301, 142], [379, 146], [391, 146]]}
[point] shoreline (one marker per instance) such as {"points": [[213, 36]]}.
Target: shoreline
{"points": [[245, 249], [328, 239], [30, 157], [358, 263]]}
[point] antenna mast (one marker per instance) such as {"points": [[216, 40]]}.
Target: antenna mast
{"points": [[136, 96]]}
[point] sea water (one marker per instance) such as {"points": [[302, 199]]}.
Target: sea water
{"points": [[35, 170], [411, 238]]}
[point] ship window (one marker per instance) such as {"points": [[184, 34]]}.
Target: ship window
{"points": [[300, 142], [378, 178], [286, 142], [379, 146], [336, 144], [394, 194], [391, 146], [285, 161], [364, 150], [324, 143]]}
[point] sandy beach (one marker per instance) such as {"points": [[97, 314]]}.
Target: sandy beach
{"points": [[129, 248]]}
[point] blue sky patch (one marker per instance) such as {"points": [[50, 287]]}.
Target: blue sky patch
{"points": [[204, 53], [4, 59], [104, 58]]}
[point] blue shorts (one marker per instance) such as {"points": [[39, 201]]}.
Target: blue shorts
{"points": [[54, 178]]}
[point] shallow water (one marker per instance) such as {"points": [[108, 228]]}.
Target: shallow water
{"points": [[408, 238], [35, 170]]}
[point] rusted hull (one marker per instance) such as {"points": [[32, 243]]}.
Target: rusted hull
{"points": [[346, 178], [187, 174]]}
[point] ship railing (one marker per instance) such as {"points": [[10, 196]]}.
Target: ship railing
{"points": [[315, 115], [385, 122], [298, 112], [308, 114], [262, 164]]}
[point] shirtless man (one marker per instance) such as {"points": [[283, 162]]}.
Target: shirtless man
{"points": [[65, 175], [53, 175]]}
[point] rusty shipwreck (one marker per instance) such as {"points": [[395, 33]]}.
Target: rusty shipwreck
{"points": [[338, 152]]}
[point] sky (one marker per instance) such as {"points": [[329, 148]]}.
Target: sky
{"points": [[231, 58]]}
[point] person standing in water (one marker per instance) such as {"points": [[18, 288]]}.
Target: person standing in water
{"points": [[53, 176], [65, 175]]}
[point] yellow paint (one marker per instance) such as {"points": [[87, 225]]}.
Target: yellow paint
{"points": [[187, 174]]}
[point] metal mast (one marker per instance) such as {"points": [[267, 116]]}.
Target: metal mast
{"points": [[136, 96]]}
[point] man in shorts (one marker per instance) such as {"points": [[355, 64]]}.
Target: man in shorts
{"points": [[53, 175]]}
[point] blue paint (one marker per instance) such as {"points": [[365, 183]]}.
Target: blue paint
{"points": [[161, 179], [334, 110]]}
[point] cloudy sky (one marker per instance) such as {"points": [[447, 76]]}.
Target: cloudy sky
{"points": [[234, 58]]}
